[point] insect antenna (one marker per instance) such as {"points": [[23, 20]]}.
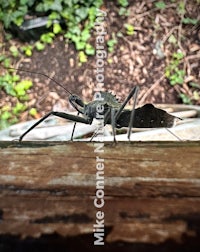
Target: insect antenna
{"points": [[45, 75]]}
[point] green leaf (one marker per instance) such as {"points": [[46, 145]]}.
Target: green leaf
{"points": [[129, 29], [181, 8], [22, 87], [178, 55], [6, 115], [56, 6], [185, 99], [80, 45], [111, 43], [172, 39], [92, 13], [2, 57], [18, 21], [177, 77], [39, 46], [189, 21], [89, 50], [54, 16], [10, 90], [7, 62], [15, 78], [196, 96], [195, 85], [82, 57], [33, 112], [160, 5], [47, 37], [13, 49], [56, 28], [18, 108], [124, 11], [23, 2], [82, 13], [123, 3], [27, 50], [85, 35]]}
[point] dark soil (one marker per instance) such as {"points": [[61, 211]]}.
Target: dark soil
{"points": [[136, 59]]}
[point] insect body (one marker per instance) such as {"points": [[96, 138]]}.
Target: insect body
{"points": [[147, 116], [113, 112]]}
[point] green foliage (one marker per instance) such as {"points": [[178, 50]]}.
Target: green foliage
{"points": [[123, 3], [14, 50], [111, 43], [28, 50], [160, 5], [123, 11], [13, 11], [11, 84], [19, 107], [39, 46], [7, 82], [129, 29], [89, 49], [33, 112], [22, 86], [78, 15], [177, 77], [9, 116], [5, 61], [185, 99], [56, 28], [194, 85], [173, 71], [74, 33], [82, 57], [172, 39], [195, 97], [47, 38], [189, 21], [181, 8]]}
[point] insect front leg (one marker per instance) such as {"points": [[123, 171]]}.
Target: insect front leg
{"points": [[61, 115]]}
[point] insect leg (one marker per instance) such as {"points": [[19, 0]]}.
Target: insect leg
{"points": [[178, 138], [132, 113], [135, 89], [106, 118], [74, 126], [59, 114], [113, 122]]}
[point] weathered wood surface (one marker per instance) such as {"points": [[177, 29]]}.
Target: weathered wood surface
{"points": [[152, 191]]}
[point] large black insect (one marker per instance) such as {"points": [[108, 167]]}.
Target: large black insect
{"points": [[114, 113]]}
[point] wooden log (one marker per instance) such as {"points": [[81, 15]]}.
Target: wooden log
{"points": [[152, 190]]}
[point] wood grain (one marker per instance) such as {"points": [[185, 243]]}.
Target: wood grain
{"points": [[152, 190]]}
